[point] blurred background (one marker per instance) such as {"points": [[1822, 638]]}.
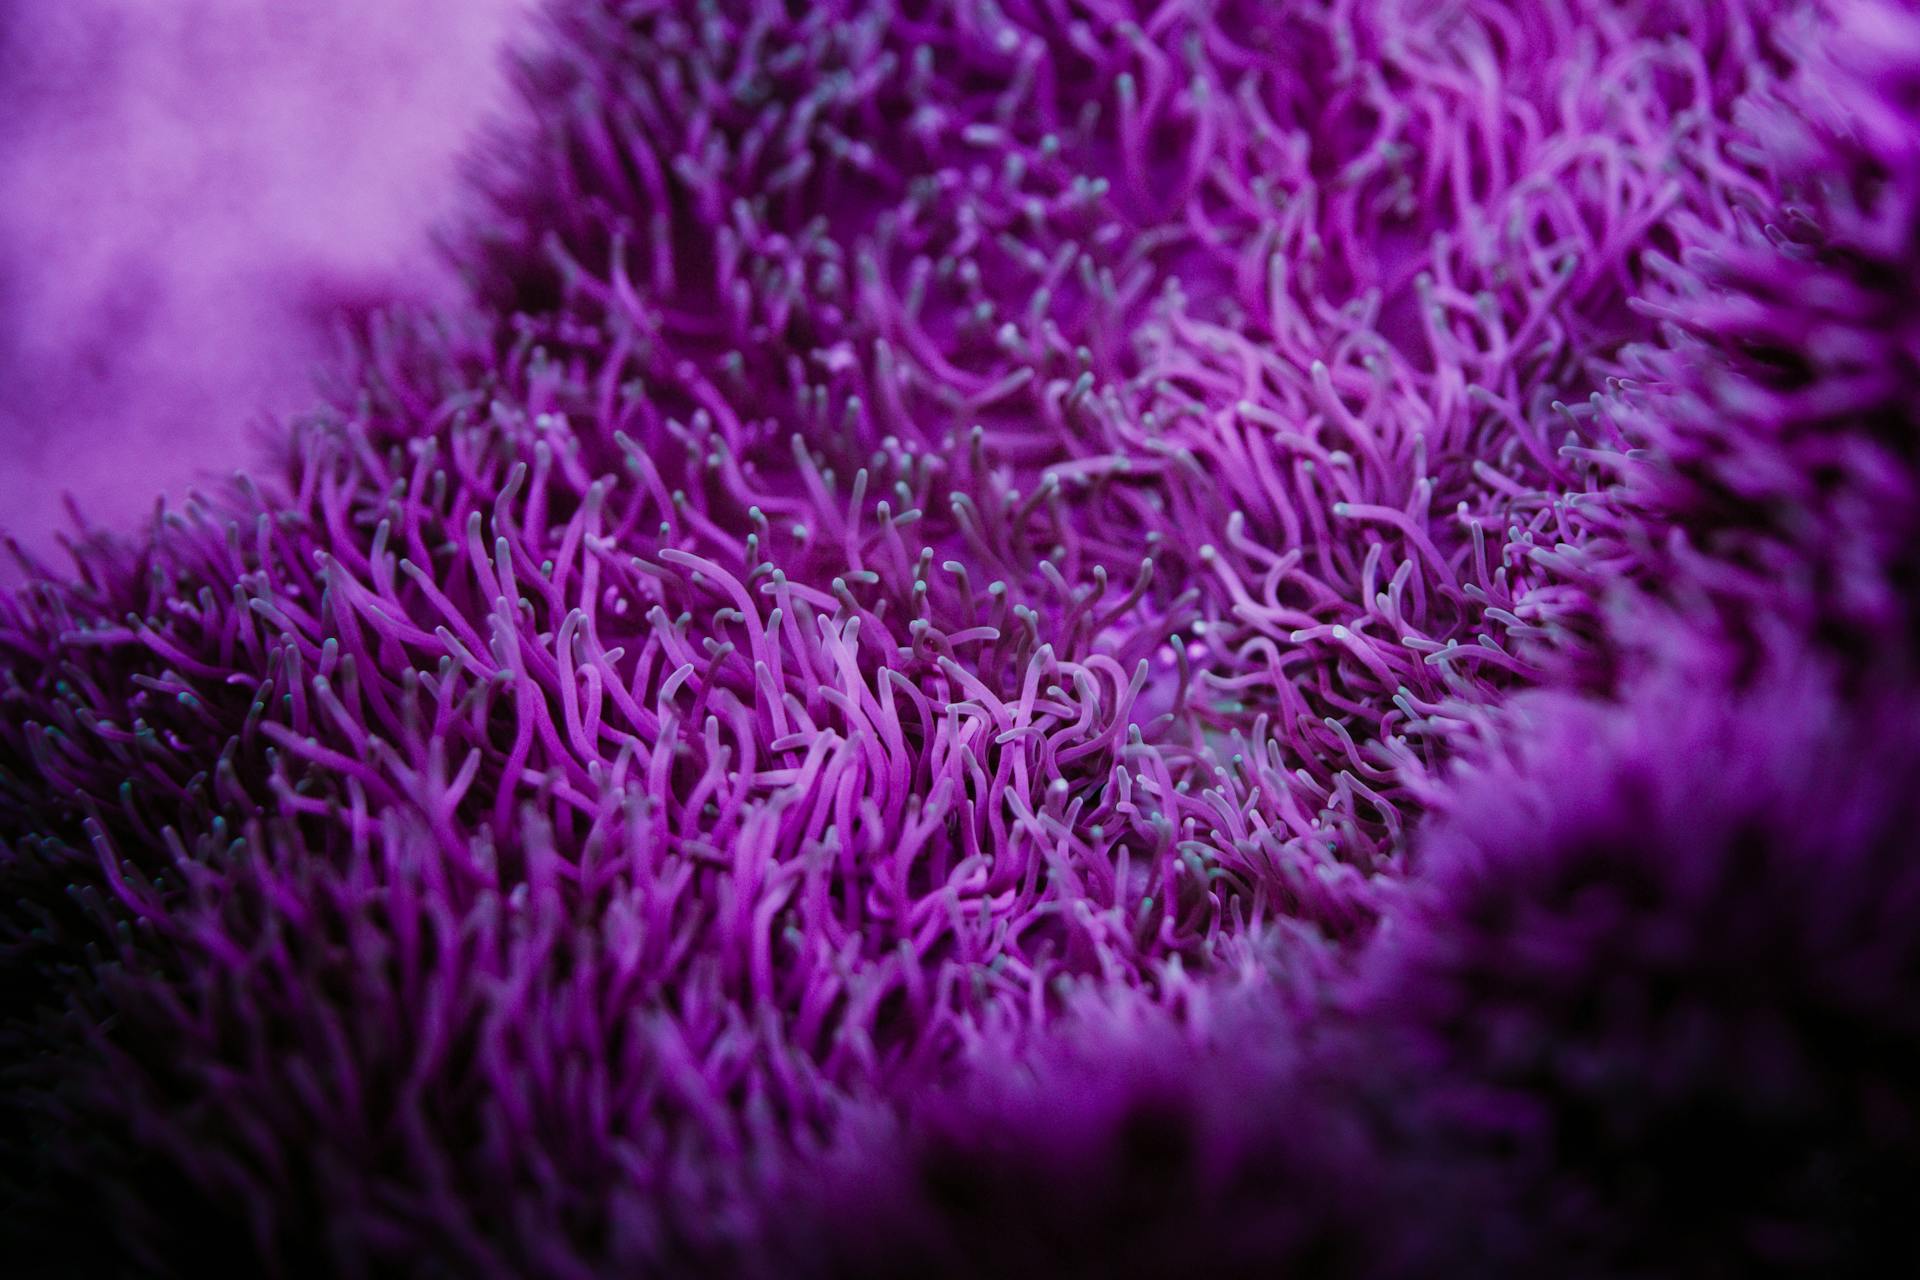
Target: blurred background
{"points": [[190, 191]]}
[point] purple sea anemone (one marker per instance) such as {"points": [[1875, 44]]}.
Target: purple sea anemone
{"points": [[1647, 1011], [1125, 1143], [923, 599], [1653, 1012], [1780, 484]]}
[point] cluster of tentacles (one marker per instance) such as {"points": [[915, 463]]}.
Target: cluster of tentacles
{"points": [[1198, 638]]}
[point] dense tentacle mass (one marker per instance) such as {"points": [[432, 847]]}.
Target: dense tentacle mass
{"points": [[954, 534]]}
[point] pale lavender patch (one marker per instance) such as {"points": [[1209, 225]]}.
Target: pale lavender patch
{"points": [[190, 196]]}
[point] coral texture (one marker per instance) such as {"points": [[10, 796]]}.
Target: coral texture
{"points": [[1032, 637]]}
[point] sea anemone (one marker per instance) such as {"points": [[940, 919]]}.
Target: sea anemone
{"points": [[937, 519], [1647, 1010], [1652, 1009], [1780, 478], [1128, 1140]]}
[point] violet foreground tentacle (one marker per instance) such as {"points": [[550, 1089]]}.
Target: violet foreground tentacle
{"points": [[1045, 636]]}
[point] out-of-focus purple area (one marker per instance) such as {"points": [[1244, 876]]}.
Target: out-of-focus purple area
{"points": [[190, 192]]}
